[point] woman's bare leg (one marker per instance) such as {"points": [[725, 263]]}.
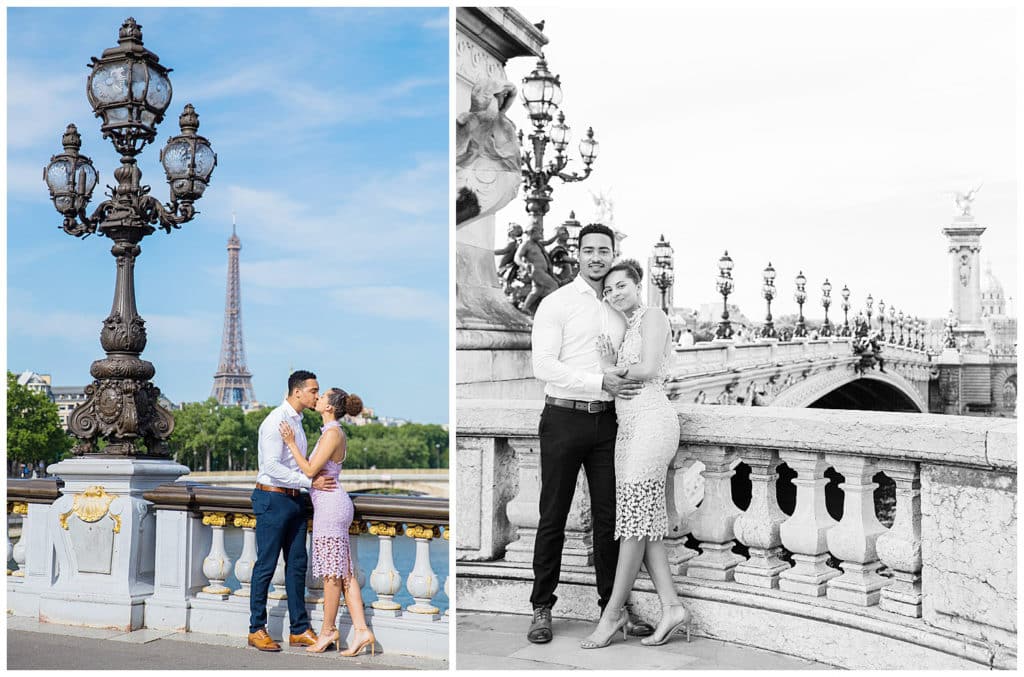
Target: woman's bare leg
{"points": [[672, 610], [354, 601], [631, 552], [332, 600]]}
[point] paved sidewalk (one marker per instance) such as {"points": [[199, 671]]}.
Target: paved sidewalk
{"points": [[498, 641], [34, 645]]}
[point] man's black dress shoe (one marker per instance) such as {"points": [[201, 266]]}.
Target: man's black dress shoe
{"points": [[540, 628]]}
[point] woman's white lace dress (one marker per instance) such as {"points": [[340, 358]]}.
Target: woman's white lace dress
{"points": [[646, 442]]}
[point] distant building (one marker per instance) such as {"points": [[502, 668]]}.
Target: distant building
{"points": [[38, 383], [67, 398]]}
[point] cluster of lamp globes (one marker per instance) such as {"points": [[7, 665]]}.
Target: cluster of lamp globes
{"points": [[129, 90], [542, 95]]}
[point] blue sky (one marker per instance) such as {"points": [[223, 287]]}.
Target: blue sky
{"points": [[331, 130]]}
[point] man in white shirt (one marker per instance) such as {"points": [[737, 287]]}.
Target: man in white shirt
{"points": [[280, 512], [577, 426]]}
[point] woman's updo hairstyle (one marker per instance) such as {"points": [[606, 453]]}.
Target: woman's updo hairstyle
{"points": [[344, 403], [630, 267]]}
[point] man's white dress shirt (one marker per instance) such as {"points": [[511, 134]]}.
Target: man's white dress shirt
{"points": [[277, 466], [565, 330]]}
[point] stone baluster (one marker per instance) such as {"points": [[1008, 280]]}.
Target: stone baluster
{"points": [[522, 511], [385, 579], [684, 489], [422, 582], [758, 527], [805, 532], [354, 531], [279, 591], [712, 523], [900, 547], [853, 539], [247, 560], [314, 584], [217, 564], [448, 578], [17, 552]]}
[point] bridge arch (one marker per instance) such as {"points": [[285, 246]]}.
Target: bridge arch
{"points": [[847, 389]]}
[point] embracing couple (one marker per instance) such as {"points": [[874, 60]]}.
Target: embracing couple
{"points": [[280, 510], [603, 363]]}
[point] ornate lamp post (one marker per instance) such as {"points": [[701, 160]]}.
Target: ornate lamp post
{"points": [[574, 227], [826, 301], [129, 90], [542, 94], [881, 319], [725, 286], [663, 270], [800, 295], [899, 321], [918, 333], [845, 331], [892, 324], [768, 291]]}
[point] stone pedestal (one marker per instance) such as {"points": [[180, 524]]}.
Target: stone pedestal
{"points": [[964, 246], [104, 539], [492, 338]]}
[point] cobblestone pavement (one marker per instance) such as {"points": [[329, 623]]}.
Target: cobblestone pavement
{"points": [[33, 645], [495, 641]]}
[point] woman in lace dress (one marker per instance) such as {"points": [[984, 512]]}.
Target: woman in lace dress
{"points": [[645, 445], [332, 515]]}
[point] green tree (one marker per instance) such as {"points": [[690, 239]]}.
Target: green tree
{"points": [[208, 436], [33, 427]]}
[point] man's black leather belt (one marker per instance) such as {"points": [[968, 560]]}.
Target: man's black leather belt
{"points": [[278, 490], [593, 407]]}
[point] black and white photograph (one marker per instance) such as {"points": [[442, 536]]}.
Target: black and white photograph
{"points": [[736, 337]]}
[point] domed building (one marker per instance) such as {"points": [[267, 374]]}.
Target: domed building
{"points": [[993, 301]]}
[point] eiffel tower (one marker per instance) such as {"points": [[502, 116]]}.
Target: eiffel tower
{"points": [[232, 384]]}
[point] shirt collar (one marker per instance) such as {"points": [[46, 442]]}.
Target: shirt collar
{"points": [[289, 411], [582, 286]]}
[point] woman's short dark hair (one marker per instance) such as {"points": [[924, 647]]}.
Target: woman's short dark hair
{"points": [[630, 267], [343, 403]]}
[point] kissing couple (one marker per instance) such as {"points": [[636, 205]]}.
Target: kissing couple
{"points": [[280, 510], [604, 356]]}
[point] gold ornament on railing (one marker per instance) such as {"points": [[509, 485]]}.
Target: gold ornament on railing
{"points": [[421, 531], [356, 528], [384, 528], [90, 506], [17, 508], [243, 521], [447, 532], [215, 519]]}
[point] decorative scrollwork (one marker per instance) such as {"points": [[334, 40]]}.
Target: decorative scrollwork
{"points": [[169, 216]]}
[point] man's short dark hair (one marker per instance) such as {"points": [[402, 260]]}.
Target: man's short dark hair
{"points": [[598, 228], [298, 378]]}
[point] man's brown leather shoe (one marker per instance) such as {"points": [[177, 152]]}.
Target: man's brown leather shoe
{"points": [[308, 638], [262, 641]]}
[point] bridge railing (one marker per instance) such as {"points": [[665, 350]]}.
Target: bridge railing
{"points": [[205, 550], [862, 540]]}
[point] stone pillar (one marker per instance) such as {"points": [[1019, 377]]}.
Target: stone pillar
{"points": [[486, 481], [492, 338], [853, 539], [524, 511], [246, 560], [683, 490], [758, 527], [900, 547], [422, 582], [104, 535], [217, 564], [17, 551], [181, 540], [385, 579], [712, 524], [964, 247], [314, 584], [805, 532]]}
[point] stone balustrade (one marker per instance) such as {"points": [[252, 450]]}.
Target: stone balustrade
{"points": [[204, 551], [857, 539]]}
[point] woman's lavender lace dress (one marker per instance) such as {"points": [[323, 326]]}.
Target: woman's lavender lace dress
{"points": [[332, 516]]}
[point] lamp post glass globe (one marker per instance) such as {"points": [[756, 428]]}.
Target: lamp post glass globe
{"points": [[541, 92], [70, 177]]}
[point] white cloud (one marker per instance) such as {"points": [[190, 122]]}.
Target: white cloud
{"points": [[437, 23], [38, 105], [393, 302]]}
